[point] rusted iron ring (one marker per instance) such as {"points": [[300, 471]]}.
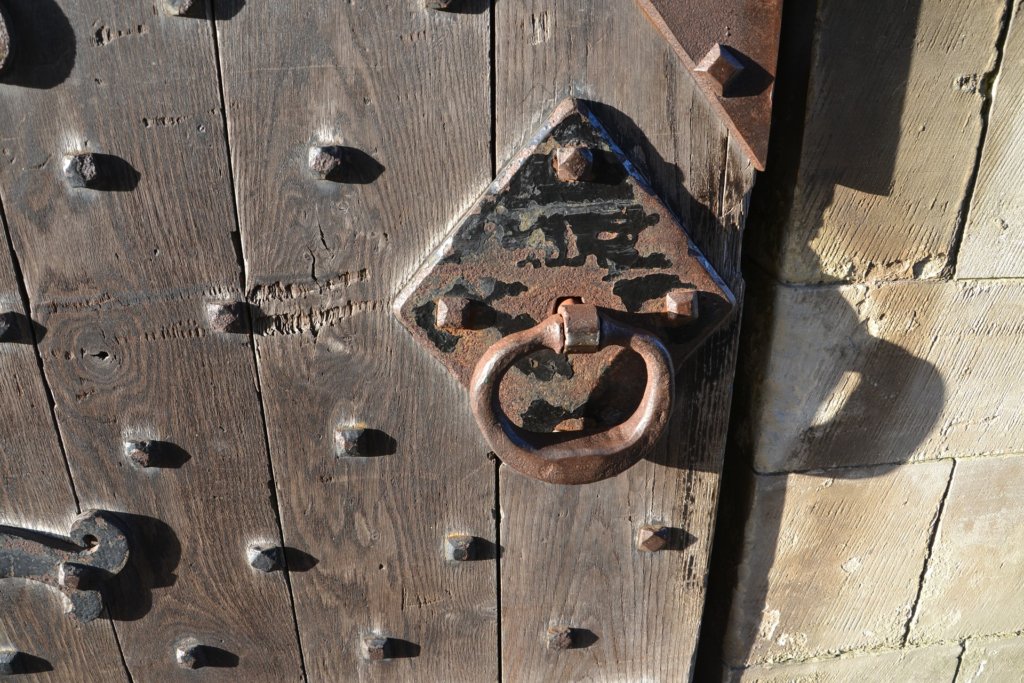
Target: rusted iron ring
{"points": [[568, 458]]}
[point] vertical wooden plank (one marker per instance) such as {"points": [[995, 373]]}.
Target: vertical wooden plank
{"points": [[571, 555], [36, 494], [993, 242], [120, 277], [409, 89]]}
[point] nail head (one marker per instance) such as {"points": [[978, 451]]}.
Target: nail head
{"points": [[80, 169], [454, 313], [559, 638], [459, 547], [325, 160], [190, 654], [375, 648], [266, 559], [682, 305], [9, 662], [349, 441], [652, 538], [178, 8], [227, 317]]}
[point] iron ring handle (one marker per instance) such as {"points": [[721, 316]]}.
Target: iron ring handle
{"points": [[554, 458]]}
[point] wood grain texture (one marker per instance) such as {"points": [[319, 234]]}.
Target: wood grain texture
{"points": [[993, 241], [409, 89], [976, 560], [119, 277], [892, 124], [891, 373], [35, 493], [570, 553], [832, 561]]}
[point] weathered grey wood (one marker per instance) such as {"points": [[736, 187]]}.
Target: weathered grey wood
{"points": [[832, 561], [35, 493], [120, 277], [410, 88], [888, 373], [892, 126], [570, 553], [993, 241]]}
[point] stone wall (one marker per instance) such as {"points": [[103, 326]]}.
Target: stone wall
{"points": [[871, 524]]}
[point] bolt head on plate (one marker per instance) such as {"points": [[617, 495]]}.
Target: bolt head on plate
{"points": [[723, 66], [190, 654], [375, 648], [573, 164], [652, 538], [454, 313], [80, 169], [681, 305]]}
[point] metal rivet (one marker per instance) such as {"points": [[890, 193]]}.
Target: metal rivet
{"points": [[651, 538], [573, 164], [72, 575], [9, 662], [178, 8], [376, 648], [459, 547], [9, 327], [6, 50], [227, 317], [454, 313], [349, 440], [325, 161], [559, 638], [266, 558], [189, 653], [722, 65], [681, 305], [140, 452], [80, 169]]}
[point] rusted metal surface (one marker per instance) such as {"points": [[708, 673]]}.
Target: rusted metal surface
{"points": [[532, 241], [6, 42], [93, 552], [573, 457], [730, 43]]}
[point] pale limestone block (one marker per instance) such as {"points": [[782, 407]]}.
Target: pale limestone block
{"points": [[974, 578], [890, 373], [832, 561], [993, 242], [935, 664], [892, 126], [993, 661]]}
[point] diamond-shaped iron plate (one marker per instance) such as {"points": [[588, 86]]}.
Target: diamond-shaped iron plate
{"points": [[533, 240]]}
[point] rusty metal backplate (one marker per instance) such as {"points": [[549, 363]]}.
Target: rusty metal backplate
{"points": [[533, 240], [748, 30]]}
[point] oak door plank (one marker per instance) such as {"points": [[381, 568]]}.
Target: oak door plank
{"points": [[409, 89], [571, 555], [120, 277], [36, 493]]}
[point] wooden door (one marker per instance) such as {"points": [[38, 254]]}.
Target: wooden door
{"points": [[207, 295]]}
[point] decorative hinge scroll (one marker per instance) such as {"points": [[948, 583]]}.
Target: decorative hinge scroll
{"points": [[94, 551]]}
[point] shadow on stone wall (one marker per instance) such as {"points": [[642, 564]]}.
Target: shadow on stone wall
{"points": [[862, 157]]}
